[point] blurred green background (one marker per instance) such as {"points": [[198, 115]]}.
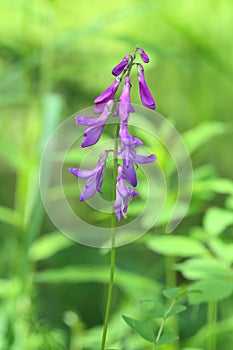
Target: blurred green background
{"points": [[55, 58]]}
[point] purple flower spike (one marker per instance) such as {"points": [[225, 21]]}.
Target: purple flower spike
{"points": [[144, 56], [94, 177], [123, 195], [119, 68], [106, 96], [96, 125], [146, 97]]}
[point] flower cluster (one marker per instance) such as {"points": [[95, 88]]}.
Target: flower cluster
{"points": [[127, 156]]}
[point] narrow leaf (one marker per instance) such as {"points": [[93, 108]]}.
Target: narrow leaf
{"points": [[217, 220], [171, 293], [48, 245], [157, 311], [212, 290], [10, 216], [176, 310], [166, 338], [140, 328], [176, 246]]}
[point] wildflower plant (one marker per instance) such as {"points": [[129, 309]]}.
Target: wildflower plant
{"points": [[114, 113], [126, 157]]}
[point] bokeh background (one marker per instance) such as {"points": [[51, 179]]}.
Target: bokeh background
{"points": [[55, 58]]}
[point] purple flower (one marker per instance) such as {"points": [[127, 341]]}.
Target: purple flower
{"points": [[146, 97], [96, 125], [144, 56], [123, 195], [124, 107], [106, 96], [129, 155], [119, 68], [94, 177]]}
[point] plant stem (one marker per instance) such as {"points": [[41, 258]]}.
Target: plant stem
{"points": [[162, 324], [113, 248]]}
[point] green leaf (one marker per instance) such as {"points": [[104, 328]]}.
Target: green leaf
{"points": [[10, 216], [12, 154], [229, 203], [212, 290], [166, 338], [82, 274], [48, 245], [172, 293], [9, 288], [157, 311], [222, 185], [204, 268], [140, 328], [222, 250], [201, 134], [217, 220], [175, 246], [176, 310]]}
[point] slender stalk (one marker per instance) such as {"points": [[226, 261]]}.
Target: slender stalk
{"points": [[162, 324], [113, 247]]}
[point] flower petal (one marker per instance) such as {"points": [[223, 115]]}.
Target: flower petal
{"points": [[130, 173], [143, 55], [86, 120], [109, 93], [145, 94], [126, 200], [125, 106], [92, 135], [138, 159], [89, 189], [119, 67], [100, 178], [82, 173]]}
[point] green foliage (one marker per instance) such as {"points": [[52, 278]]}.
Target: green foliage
{"points": [[217, 220], [211, 290], [48, 245], [175, 245], [147, 329], [141, 328]]}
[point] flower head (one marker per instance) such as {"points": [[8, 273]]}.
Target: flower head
{"points": [[145, 94], [127, 153], [96, 125], [120, 66], [123, 195], [106, 96], [143, 55], [94, 177]]}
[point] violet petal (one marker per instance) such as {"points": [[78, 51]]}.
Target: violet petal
{"points": [[82, 173], [145, 94], [143, 55], [144, 159]]}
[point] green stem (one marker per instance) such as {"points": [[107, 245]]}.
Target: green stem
{"points": [[162, 324], [113, 248]]}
